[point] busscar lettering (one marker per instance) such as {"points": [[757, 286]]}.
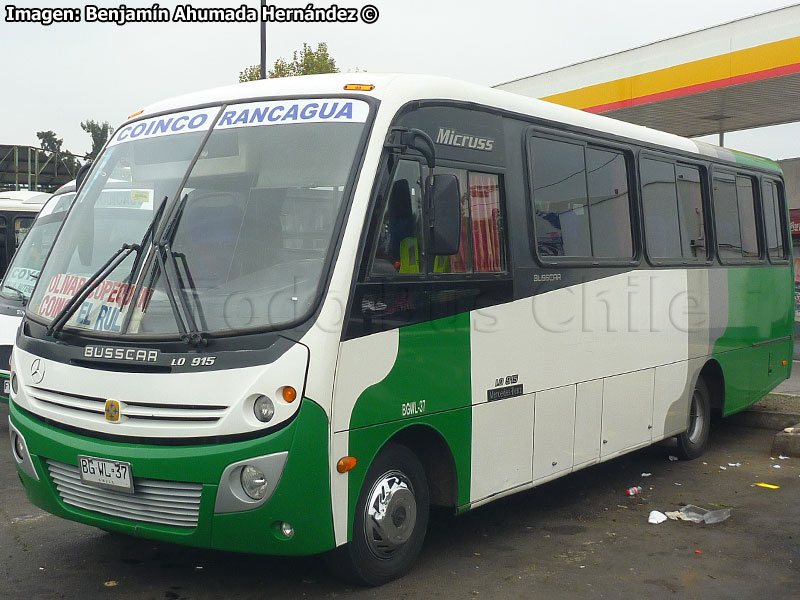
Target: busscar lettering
{"points": [[118, 353]]}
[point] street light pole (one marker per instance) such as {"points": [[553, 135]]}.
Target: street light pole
{"points": [[263, 26]]}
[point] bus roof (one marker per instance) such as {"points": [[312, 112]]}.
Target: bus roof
{"points": [[17, 206], [395, 90], [25, 196]]}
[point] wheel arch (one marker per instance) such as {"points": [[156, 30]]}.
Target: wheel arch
{"points": [[714, 378], [433, 452]]}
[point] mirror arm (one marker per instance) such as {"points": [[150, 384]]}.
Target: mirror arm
{"points": [[403, 138]]}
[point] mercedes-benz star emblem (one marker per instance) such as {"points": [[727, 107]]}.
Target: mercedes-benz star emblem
{"points": [[37, 371]]}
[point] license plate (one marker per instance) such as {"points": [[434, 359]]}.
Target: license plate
{"points": [[6, 387], [101, 472]]}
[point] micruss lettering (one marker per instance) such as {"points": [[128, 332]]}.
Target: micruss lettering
{"points": [[450, 137]]}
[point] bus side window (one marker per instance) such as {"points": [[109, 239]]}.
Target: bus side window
{"points": [[480, 250], [4, 258], [773, 219], [400, 244], [660, 207], [21, 227], [726, 217], [484, 203], [690, 203], [747, 216], [581, 205]]}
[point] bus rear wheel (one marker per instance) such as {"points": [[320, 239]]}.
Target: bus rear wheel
{"points": [[692, 442], [390, 520]]}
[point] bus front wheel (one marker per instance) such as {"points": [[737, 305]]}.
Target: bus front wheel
{"points": [[390, 520], [692, 442]]}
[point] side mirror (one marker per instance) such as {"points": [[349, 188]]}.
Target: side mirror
{"points": [[444, 205], [81, 175]]}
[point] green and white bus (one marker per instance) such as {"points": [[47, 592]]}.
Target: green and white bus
{"points": [[324, 306]]}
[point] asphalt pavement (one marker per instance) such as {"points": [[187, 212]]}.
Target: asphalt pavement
{"points": [[577, 537]]}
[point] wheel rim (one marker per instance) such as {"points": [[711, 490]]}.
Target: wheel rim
{"points": [[696, 418], [390, 515]]}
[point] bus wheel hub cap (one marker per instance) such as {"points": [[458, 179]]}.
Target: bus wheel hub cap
{"points": [[390, 515]]}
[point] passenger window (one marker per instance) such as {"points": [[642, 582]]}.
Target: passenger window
{"points": [[726, 216], [484, 206], [3, 256], [734, 216], [581, 202], [747, 216], [773, 211], [21, 227], [692, 220], [660, 206], [461, 262], [560, 199], [400, 245], [607, 180], [672, 201]]}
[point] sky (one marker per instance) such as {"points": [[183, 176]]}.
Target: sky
{"points": [[56, 76]]}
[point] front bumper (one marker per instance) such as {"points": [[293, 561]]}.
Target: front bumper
{"points": [[302, 497]]}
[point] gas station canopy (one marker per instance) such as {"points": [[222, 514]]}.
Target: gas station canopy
{"points": [[738, 75]]}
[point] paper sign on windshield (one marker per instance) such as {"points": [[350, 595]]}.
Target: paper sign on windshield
{"points": [[103, 310], [22, 279], [251, 114], [282, 112], [182, 122]]}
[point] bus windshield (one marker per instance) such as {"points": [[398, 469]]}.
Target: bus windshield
{"points": [[250, 195], [23, 271]]}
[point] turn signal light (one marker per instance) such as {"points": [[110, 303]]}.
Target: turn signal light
{"points": [[359, 87], [136, 114], [346, 464], [289, 394], [784, 362]]}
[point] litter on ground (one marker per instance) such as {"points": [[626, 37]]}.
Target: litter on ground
{"points": [[697, 514]]}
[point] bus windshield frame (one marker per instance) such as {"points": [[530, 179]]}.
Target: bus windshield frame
{"points": [[322, 141]]}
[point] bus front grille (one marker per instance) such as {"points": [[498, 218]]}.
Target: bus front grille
{"points": [[173, 503], [134, 411]]}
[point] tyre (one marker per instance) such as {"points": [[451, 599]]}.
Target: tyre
{"points": [[692, 442], [389, 523]]}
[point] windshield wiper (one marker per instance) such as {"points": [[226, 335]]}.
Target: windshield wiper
{"points": [[140, 255], [57, 324], [22, 297], [168, 266]]}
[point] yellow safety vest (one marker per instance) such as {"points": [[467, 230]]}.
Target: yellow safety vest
{"points": [[409, 258]]}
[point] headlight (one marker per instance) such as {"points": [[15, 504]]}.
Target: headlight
{"points": [[254, 482], [14, 383], [264, 409]]}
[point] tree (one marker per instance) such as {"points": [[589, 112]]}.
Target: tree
{"points": [[49, 142], [305, 62], [99, 132]]}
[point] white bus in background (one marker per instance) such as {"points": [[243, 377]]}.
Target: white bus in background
{"points": [[33, 237], [17, 211]]}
